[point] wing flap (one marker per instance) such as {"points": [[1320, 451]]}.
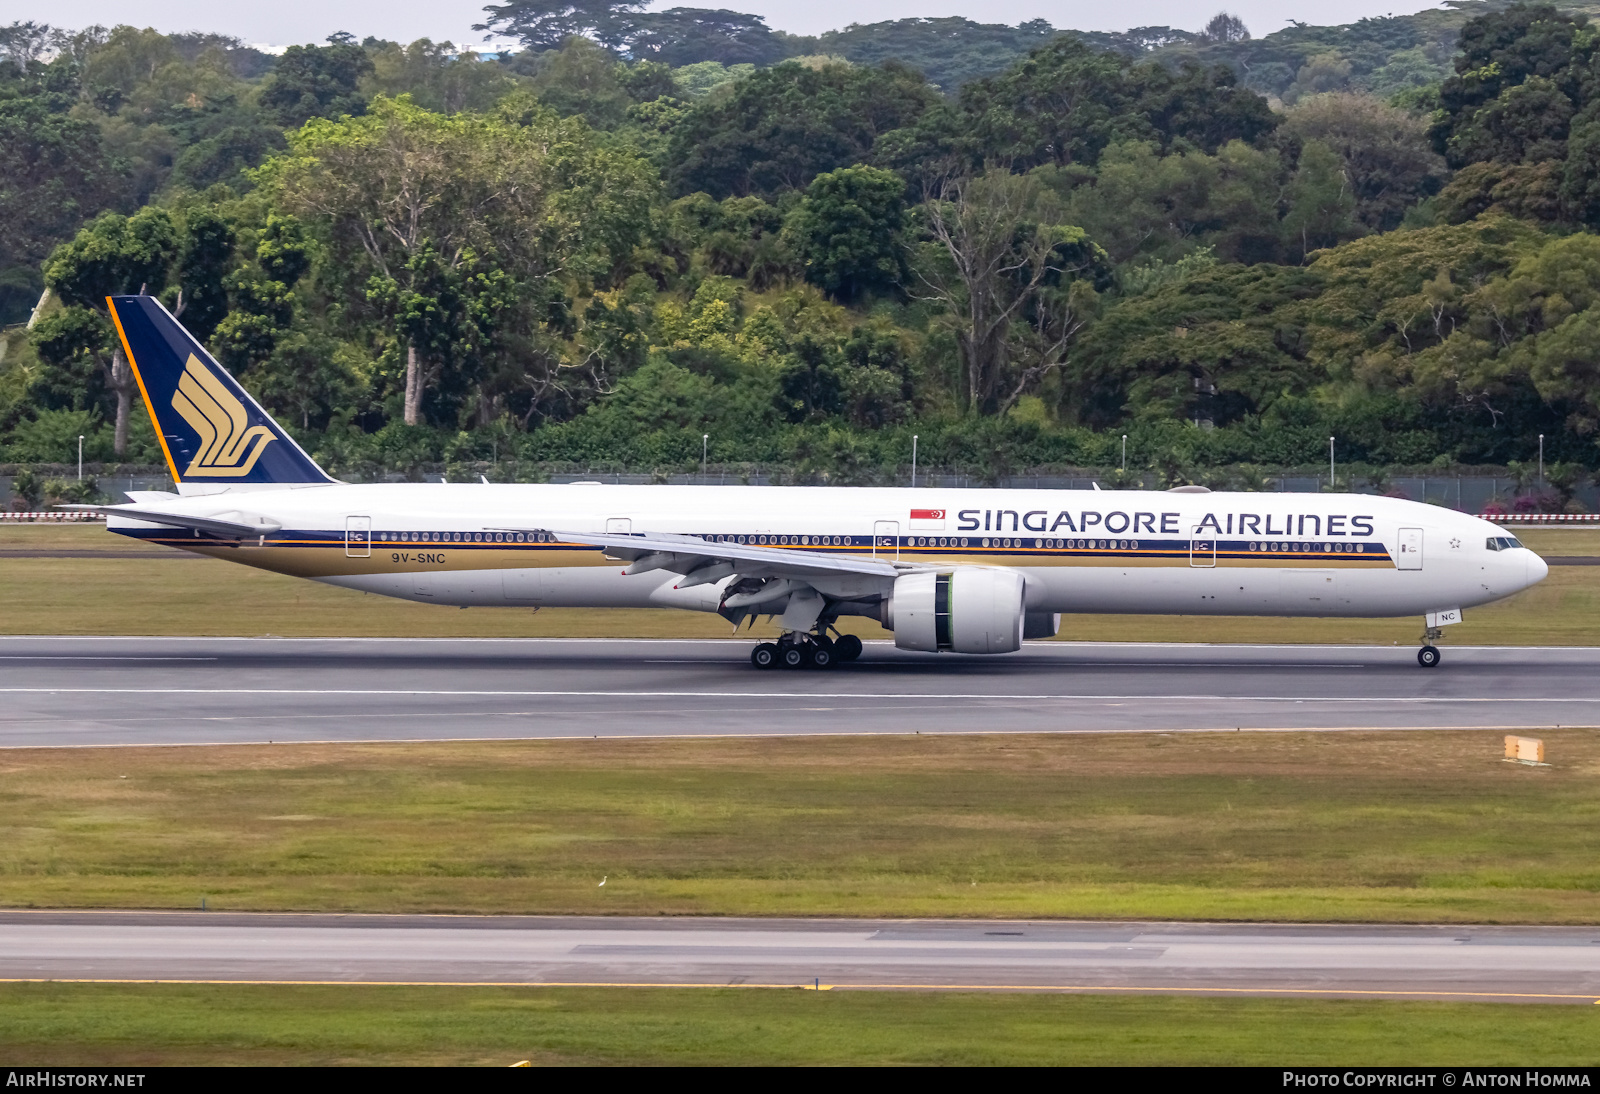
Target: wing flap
{"points": [[685, 554]]}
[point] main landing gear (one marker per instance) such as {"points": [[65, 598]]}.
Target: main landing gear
{"points": [[806, 651], [1428, 656]]}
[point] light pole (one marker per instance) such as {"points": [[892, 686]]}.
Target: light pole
{"points": [[1330, 464], [705, 441], [1541, 461], [80, 456], [1124, 453], [913, 461]]}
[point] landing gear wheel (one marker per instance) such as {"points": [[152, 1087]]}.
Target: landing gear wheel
{"points": [[821, 656], [847, 647], [1428, 656], [764, 656], [791, 657]]}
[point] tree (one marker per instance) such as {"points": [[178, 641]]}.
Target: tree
{"points": [[54, 173], [1017, 283], [437, 76], [293, 364], [1501, 50], [1225, 27], [113, 255], [783, 126], [204, 260], [950, 51], [1321, 206], [129, 59], [1138, 204], [1531, 191], [1220, 343], [811, 384], [1066, 103], [546, 24], [1322, 74], [584, 80], [453, 229], [1524, 123], [699, 80], [686, 36], [1202, 107], [318, 82], [1387, 158], [848, 232], [1580, 183], [1063, 104]]}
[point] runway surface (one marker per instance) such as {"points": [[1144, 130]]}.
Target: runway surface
{"points": [[126, 691], [1513, 964]]}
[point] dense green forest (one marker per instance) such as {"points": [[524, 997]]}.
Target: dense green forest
{"points": [[642, 229]]}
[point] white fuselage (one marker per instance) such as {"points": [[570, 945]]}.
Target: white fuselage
{"points": [[1078, 551]]}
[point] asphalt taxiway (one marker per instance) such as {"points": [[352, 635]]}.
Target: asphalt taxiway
{"points": [[1510, 964], [132, 691]]}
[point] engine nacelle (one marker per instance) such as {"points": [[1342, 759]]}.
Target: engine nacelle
{"points": [[968, 610]]}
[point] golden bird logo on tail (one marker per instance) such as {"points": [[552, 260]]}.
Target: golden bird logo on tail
{"points": [[229, 445]]}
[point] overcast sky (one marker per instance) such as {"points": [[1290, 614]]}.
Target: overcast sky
{"points": [[287, 22]]}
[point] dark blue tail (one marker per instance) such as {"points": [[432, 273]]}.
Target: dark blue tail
{"points": [[210, 428]]}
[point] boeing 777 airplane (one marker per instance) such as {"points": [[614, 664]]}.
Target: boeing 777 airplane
{"points": [[964, 571]]}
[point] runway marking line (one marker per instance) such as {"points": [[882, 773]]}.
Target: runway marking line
{"points": [[1095, 988], [895, 695], [95, 657]]}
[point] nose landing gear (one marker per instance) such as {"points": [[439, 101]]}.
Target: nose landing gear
{"points": [[1428, 656]]}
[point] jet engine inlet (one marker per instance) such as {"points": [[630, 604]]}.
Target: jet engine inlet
{"points": [[968, 610]]}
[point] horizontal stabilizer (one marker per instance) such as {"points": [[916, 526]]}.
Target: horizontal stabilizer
{"points": [[246, 527]]}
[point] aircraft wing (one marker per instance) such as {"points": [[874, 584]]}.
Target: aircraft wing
{"points": [[693, 555], [236, 529]]}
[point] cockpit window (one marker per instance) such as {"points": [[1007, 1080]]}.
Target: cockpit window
{"points": [[1502, 543]]}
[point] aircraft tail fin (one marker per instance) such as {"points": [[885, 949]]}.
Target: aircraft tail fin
{"points": [[211, 431]]}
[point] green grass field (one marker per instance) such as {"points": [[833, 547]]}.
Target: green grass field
{"points": [[174, 593], [133, 1025], [1397, 827]]}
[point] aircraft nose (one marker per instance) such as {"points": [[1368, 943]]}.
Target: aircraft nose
{"points": [[1538, 569]]}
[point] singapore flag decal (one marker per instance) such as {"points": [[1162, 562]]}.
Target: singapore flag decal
{"points": [[930, 519]]}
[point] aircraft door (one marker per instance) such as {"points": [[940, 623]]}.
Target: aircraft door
{"points": [[1410, 553], [358, 537], [886, 539], [1202, 552]]}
